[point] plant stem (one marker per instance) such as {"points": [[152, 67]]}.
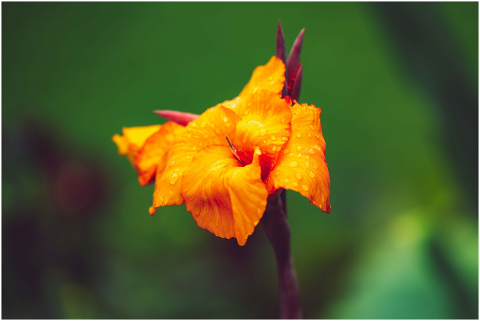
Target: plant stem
{"points": [[275, 224]]}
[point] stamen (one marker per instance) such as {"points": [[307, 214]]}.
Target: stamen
{"points": [[234, 151]]}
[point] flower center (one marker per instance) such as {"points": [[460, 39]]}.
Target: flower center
{"points": [[239, 155]]}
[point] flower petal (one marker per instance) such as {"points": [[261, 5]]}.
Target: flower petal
{"points": [[152, 156], [205, 192], [265, 123], [223, 197], [248, 195], [270, 77], [210, 128], [301, 166], [133, 139]]}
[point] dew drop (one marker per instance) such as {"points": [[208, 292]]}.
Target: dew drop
{"points": [[285, 138], [172, 162], [311, 151], [315, 166], [298, 175], [299, 155], [311, 174], [293, 164], [291, 154], [286, 151], [294, 183], [170, 192], [299, 135], [203, 124], [274, 148], [263, 132], [299, 148], [225, 119], [189, 136], [173, 179], [316, 147], [246, 112], [305, 187], [273, 137]]}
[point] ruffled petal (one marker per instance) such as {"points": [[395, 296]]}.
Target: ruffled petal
{"points": [[224, 197], [205, 192], [301, 166], [265, 123], [270, 77], [133, 139], [152, 156], [248, 195], [210, 128]]}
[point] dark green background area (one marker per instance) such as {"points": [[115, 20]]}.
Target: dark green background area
{"points": [[398, 88]]}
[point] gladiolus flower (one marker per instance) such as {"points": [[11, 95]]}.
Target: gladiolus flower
{"points": [[227, 161]]}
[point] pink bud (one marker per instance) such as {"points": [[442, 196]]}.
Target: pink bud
{"points": [[178, 117]]}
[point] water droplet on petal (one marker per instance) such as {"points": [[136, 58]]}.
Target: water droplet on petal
{"points": [[225, 119], [299, 147], [295, 183], [203, 124], [305, 187], [299, 135], [286, 151], [315, 166], [311, 151], [307, 164], [274, 148], [273, 137], [263, 132], [293, 164], [298, 175], [311, 174], [173, 179], [285, 138]]}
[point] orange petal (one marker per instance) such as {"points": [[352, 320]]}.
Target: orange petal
{"points": [[210, 128], [151, 157], [301, 166], [265, 123], [248, 195], [270, 77], [133, 139], [224, 197], [205, 192]]}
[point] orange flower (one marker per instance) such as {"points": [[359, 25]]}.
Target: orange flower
{"points": [[146, 146], [226, 162]]}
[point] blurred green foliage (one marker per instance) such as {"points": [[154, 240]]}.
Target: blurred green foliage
{"points": [[402, 237]]}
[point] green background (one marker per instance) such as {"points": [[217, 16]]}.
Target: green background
{"points": [[398, 88]]}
